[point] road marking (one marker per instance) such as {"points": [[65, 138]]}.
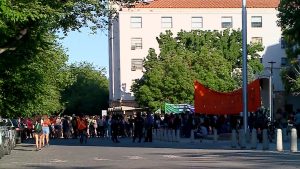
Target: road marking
{"points": [[57, 161], [38, 164], [170, 156], [100, 159], [207, 156], [134, 157]]}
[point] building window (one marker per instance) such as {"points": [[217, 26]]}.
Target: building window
{"points": [[282, 43], [226, 21], [257, 40], [197, 22], [256, 21], [283, 61], [136, 64], [166, 22], [136, 22], [136, 43]]}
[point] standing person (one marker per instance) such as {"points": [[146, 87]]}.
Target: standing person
{"points": [[114, 128], [58, 128], [38, 133], [108, 126], [148, 127], [66, 127], [29, 128], [46, 130], [74, 126], [95, 126], [82, 126], [100, 124], [138, 127]]}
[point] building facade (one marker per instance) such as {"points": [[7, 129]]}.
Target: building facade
{"points": [[134, 30]]}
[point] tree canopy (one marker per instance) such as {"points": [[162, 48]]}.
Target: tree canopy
{"points": [[289, 20], [32, 77], [89, 92], [207, 56], [33, 70]]}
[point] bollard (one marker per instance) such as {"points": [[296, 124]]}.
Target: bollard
{"points": [[160, 134], [0, 137], [233, 139], [253, 139], [169, 135], [178, 135], [242, 138], [164, 134], [173, 135], [265, 140], [294, 140], [215, 134], [192, 136], [284, 134], [279, 146], [247, 136]]}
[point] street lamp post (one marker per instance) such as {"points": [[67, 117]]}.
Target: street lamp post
{"points": [[271, 91], [245, 76]]}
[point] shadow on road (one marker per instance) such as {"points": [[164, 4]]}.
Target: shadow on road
{"points": [[127, 142]]}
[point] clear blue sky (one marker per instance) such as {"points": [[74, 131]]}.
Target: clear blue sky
{"points": [[83, 46]]}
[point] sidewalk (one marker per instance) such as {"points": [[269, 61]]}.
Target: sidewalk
{"points": [[222, 144]]}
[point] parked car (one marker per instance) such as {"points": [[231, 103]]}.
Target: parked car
{"points": [[19, 131], [9, 141], [12, 132], [1, 141]]}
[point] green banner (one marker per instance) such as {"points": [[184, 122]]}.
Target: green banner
{"points": [[171, 108]]}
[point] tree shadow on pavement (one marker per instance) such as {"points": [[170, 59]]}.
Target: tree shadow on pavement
{"points": [[127, 142]]}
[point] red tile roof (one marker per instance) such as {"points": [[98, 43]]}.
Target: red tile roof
{"points": [[208, 4]]}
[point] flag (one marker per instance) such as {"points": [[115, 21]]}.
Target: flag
{"points": [[208, 101]]}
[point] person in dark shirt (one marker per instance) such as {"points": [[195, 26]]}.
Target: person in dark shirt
{"points": [[114, 128], [148, 127], [138, 127]]}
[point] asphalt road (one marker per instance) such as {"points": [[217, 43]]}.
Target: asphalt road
{"points": [[100, 153]]}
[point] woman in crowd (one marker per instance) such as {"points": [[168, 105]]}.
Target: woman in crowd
{"points": [[46, 130], [38, 133]]}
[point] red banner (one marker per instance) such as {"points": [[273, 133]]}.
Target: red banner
{"points": [[208, 101]]}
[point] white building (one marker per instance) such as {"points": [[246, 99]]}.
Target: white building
{"points": [[134, 31]]}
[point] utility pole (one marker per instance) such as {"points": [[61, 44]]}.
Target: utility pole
{"points": [[271, 91], [245, 75]]}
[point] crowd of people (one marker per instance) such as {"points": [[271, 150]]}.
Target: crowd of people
{"points": [[139, 126]]}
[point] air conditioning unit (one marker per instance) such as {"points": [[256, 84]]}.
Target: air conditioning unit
{"points": [[133, 68], [147, 1]]}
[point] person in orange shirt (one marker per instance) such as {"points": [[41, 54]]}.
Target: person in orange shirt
{"points": [[46, 130], [82, 128]]}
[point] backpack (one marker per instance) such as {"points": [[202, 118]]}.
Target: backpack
{"points": [[38, 128]]}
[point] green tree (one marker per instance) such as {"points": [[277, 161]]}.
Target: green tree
{"points": [[32, 77], [289, 20], [207, 56], [89, 92], [23, 17], [32, 63]]}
